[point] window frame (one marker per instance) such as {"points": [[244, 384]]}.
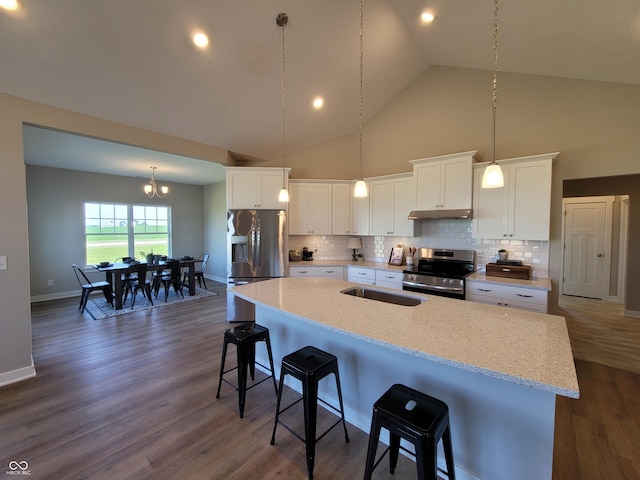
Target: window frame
{"points": [[129, 213]]}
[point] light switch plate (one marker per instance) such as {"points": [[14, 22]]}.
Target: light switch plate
{"points": [[3, 262]]}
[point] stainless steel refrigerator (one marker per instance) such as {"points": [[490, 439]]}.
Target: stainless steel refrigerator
{"points": [[257, 243]]}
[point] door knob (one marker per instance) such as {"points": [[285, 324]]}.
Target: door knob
{"points": [[600, 255]]}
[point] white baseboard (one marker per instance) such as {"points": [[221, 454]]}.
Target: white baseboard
{"points": [[54, 296], [18, 375], [631, 313], [216, 279]]}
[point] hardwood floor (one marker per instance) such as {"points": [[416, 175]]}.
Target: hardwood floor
{"points": [[600, 333], [133, 397]]}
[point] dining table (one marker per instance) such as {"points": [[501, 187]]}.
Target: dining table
{"points": [[114, 273]]}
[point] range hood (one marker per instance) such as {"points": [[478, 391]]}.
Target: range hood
{"points": [[434, 214]]}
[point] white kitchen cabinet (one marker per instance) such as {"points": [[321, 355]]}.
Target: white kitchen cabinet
{"points": [[444, 182], [341, 209], [316, 271], [389, 279], [521, 209], [390, 203], [310, 208], [363, 275], [359, 212], [350, 215], [521, 298], [254, 188]]}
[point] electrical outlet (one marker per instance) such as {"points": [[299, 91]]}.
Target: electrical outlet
{"points": [[3, 262], [50, 283]]}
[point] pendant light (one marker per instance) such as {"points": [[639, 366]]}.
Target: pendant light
{"points": [[360, 190], [492, 177], [283, 196]]}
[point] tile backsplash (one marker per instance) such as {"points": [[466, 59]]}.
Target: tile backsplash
{"points": [[450, 233]]}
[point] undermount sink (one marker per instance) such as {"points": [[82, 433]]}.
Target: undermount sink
{"points": [[382, 296]]}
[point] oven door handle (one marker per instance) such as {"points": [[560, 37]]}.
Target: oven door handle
{"points": [[431, 287]]}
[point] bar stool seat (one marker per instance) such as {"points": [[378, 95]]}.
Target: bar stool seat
{"points": [[309, 365], [417, 418], [245, 337]]}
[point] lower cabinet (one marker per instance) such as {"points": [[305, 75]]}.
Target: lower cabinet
{"points": [[316, 271], [389, 279], [366, 276], [507, 296]]}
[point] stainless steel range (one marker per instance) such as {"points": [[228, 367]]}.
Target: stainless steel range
{"points": [[440, 272]]}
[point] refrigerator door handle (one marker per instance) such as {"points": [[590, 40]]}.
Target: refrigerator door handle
{"points": [[258, 247]]}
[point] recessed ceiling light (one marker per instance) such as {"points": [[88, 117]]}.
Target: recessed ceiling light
{"points": [[427, 17], [200, 40], [10, 4], [318, 102]]}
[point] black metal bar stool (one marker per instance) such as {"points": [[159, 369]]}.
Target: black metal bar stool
{"points": [[245, 337], [419, 419], [309, 365]]}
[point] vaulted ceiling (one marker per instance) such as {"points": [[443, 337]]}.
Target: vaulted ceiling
{"points": [[133, 62]]}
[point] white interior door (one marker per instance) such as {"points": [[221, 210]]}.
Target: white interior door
{"points": [[586, 246]]}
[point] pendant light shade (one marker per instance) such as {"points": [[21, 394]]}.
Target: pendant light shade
{"points": [[492, 177], [360, 190], [283, 196], [281, 20]]}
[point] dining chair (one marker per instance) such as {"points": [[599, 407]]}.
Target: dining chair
{"points": [[199, 274], [88, 287], [170, 276], [137, 281]]}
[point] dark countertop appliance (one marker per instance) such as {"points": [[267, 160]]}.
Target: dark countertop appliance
{"points": [[440, 272]]}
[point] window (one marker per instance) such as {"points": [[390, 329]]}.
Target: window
{"points": [[113, 231]]}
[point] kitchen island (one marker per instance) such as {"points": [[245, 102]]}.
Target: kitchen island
{"points": [[498, 369]]}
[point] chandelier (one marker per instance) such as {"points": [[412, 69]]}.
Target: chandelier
{"points": [[492, 177], [151, 188]]}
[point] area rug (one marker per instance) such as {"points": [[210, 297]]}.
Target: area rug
{"points": [[99, 308]]}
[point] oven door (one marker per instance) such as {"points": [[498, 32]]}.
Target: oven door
{"points": [[433, 286]]}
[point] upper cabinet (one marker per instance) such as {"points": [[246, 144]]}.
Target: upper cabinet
{"points": [[391, 201], [350, 214], [521, 209], [359, 212], [443, 182], [255, 188], [310, 208]]}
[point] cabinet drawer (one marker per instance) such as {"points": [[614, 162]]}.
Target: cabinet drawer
{"points": [[389, 279], [315, 271], [362, 275], [389, 276], [508, 293]]}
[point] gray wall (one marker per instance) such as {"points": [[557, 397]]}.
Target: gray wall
{"points": [[55, 202], [215, 235]]}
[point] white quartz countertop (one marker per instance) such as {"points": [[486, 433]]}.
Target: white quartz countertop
{"points": [[527, 348], [534, 283]]}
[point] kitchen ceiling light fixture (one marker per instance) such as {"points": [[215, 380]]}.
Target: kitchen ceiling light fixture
{"points": [[360, 190], [10, 4], [282, 19], [492, 177], [151, 188]]}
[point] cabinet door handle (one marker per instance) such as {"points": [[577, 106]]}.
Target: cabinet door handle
{"points": [[484, 290], [523, 296], [329, 271]]}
